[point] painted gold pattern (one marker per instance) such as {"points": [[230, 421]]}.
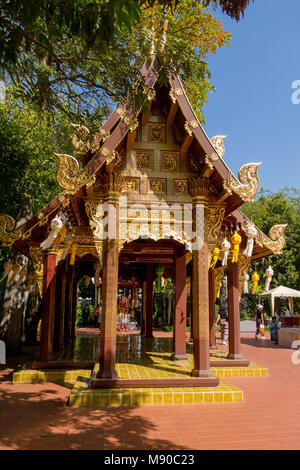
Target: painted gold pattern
{"points": [[36, 255], [157, 185], [130, 186], [143, 159], [67, 170], [181, 186], [104, 135], [157, 132], [170, 160], [218, 144]]}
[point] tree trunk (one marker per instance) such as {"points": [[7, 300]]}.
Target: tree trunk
{"points": [[15, 298]]}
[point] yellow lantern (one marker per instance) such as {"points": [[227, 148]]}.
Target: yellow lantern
{"points": [[38, 332], [216, 253], [236, 240], [255, 279], [219, 291]]}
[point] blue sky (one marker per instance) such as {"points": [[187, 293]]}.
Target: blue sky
{"points": [[253, 88]]}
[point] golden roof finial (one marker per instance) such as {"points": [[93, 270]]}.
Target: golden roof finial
{"points": [[164, 35], [152, 47]]}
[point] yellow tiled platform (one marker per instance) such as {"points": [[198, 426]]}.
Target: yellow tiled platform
{"points": [[82, 395], [137, 358], [36, 376]]}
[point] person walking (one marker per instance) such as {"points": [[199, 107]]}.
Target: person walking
{"points": [[85, 315], [223, 319], [274, 330], [260, 321], [96, 314], [99, 316]]}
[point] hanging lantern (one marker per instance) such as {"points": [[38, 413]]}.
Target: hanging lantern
{"points": [[255, 279], [226, 247], [246, 286], [216, 253], [73, 253], [219, 290], [269, 275], [251, 233], [236, 240], [87, 280], [38, 332]]}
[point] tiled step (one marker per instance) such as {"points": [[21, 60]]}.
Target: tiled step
{"points": [[83, 395]]}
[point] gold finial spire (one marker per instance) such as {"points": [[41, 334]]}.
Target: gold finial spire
{"points": [[165, 28], [152, 47]]}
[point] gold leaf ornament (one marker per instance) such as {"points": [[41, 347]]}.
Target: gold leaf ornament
{"points": [[7, 233], [248, 176], [66, 174]]}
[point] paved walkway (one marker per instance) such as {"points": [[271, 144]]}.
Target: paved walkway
{"points": [[35, 416]]}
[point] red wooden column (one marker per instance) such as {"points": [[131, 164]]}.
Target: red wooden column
{"points": [[234, 311], [200, 193], [60, 306], [143, 318], [110, 286], [212, 318], [149, 300], [179, 323], [48, 306], [74, 306], [69, 305]]}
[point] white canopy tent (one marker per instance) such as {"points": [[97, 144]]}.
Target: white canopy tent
{"points": [[283, 292]]}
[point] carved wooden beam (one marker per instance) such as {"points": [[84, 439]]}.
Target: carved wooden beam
{"points": [[145, 118], [75, 208], [172, 113], [223, 196], [186, 143], [131, 136]]}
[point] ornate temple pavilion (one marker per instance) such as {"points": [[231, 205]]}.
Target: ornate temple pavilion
{"points": [[153, 189]]}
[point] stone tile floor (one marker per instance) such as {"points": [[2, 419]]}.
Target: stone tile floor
{"points": [[35, 416]]}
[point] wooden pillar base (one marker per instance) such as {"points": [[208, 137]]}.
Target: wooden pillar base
{"points": [[235, 356], [107, 375], [204, 374], [179, 357]]}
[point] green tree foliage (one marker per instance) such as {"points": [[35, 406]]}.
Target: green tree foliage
{"points": [[79, 56], [270, 209], [27, 165]]}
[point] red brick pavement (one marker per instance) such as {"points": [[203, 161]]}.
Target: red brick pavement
{"points": [[37, 417]]}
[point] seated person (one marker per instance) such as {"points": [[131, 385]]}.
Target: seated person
{"points": [[273, 330]]}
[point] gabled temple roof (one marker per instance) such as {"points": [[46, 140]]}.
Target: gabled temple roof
{"points": [[122, 124]]}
